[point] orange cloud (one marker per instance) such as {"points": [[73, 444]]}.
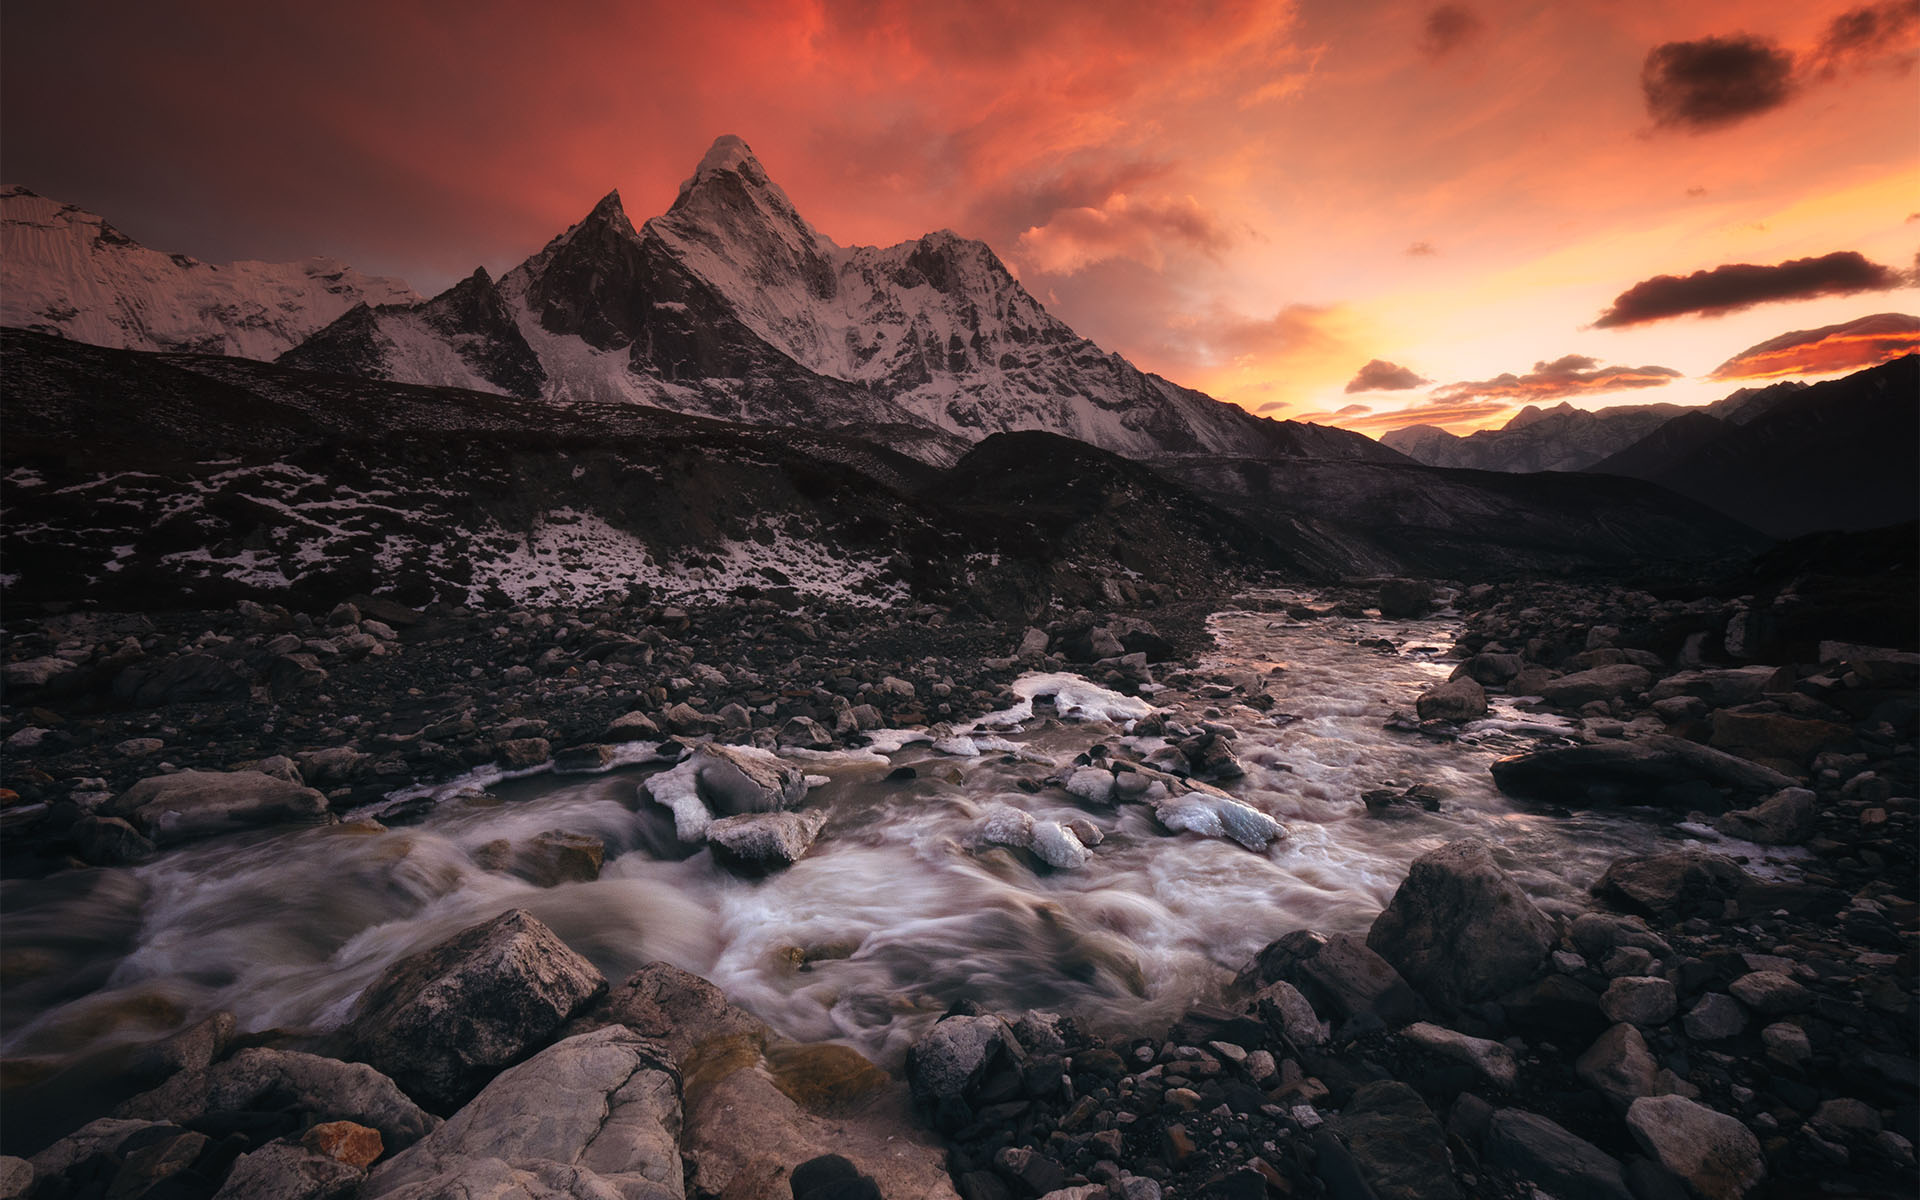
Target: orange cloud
{"points": [[1120, 228], [1475, 414], [1569, 375], [1851, 346]]}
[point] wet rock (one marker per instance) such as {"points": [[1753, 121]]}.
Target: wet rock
{"points": [[724, 781], [806, 733], [1640, 1000], [1786, 818], [1283, 1002], [1619, 1066], [1538, 1150], [1459, 929], [1788, 1045], [588, 759], [28, 675], [1599, 683], [192, 1049], [287, 1171], [556, 857], [1659, 770], [93, 1138], [1673, 885], [600, 1111], [306, 1083], [444, 1021], [1495, 1062], [344, 1141], [1719, 688], [832, 1177], [1775, 738], [632, 727], [958, 1060], [183, 679], [1455, 700], [762, 842], [1404, 598], [676, 1008], [108, 842], [1338, 975], [1717, 1156], [1400, 1149], [519, 753], [1492, 670], [1556, 1008], [16, 1177], [196, 804]]}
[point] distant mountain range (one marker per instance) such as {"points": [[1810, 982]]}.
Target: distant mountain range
{"points": [[730, 305]]}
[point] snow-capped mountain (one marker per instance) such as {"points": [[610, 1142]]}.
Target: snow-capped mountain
{"points": [[65, 271], [731, 305], [1561, 438]]}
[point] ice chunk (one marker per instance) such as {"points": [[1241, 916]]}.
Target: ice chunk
{"points": [[1076, 699], [679, 789], [1212, 815]]}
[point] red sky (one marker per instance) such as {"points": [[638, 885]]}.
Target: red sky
{"points": [[1253, 199]]}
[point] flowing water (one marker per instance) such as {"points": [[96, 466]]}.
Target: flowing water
{"points": [[896, 913]]}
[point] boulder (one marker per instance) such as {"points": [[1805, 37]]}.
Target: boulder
{"points": [[1776, 738], [960, 1059], [95, 1137], [16, 1177], [31, 674], [1713, 1018], [1459, 929], [1786, 818], [1619, 1066], [1538, 1150], [1659, 770], [806, 733], [196, 804], [1717, 1156], [678, 1009], [600, 1110], [1771, 994], [756, 843], [108, 842], [724, 781], [192, 1049], [1720, 688], [1455, 700], [1400, 1149], [632, 727], [289, 1171], [308, 1084], [1339, 976], [333, 766], [1678, 884], [1401, 598], [1491, 670], [1598, 683], [1283, 1004], [446, 1020], [184, 679], [1640, 1000], [1495, 1062]]}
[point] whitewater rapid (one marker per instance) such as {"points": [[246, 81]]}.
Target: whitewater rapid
{"points": [[899, 910]]}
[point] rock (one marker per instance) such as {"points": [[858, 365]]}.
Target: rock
{"points": [[676, 1008], [1787, 1044], [724, 781], [192, 1049], [832, 1177], [1455, 700], [1775, 737], [948, 1068], [1400, 1149], [1771, 994], [1556, 1008], [588, 759], [1599, 683], [90, 1139], [1714, 1017], [286, 1171], [1402, 598], [184, 679], [444, 1021], [31, 674], [1459, 929], [1720, 688], [1492, 670], [520, 753], [195, 804], [762, 842], [1619, 1066], [1659, 770], [1536, 1149], [1033, 643], [1673, 885], [1340, 976], [1297, 1019], [1640, 1000], [16, 1177], [1786, 818], [600, 1110], [806, 733], [306, 1083], [1494, 1062], [343, 1141], [1717, 1156], [108, 842], [556, 857], [632, 727]]}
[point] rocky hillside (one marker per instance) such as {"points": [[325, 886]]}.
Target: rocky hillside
{"points": [[1838, 455], [65, 271], [1563, 438]]}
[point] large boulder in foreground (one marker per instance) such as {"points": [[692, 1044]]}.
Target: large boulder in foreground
{"points": [[196, 804], [1397, 1144], [1718, 1156], [1664, 771], [962, 1062], [448, 1019], [1341, 978], [724, 781], [324, 1089], [1455, 700], [595, 1115], [1460, 930]]}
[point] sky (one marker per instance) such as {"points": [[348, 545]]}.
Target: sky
{"points": [[1366, 214]]}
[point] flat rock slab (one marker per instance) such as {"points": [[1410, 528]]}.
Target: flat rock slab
{"points": [[1718, 1156], [1660, 770], [195, 804]]}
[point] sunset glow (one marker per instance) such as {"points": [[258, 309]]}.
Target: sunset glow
{"points": [[1257, 200]]}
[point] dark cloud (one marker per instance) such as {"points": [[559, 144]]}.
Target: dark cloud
{"points": [[1736, 286], [1715, 81], [1421, 250], [1383, 376], [1850, 346], [1449, 27], [1571, 375], [1270, 406], [1352, 410], [1861, 36], [1696, 191]]}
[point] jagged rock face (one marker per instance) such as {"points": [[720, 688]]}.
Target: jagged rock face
{"points": [[1563, 438], [65, 271], [464, 337], [731, 305]]}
